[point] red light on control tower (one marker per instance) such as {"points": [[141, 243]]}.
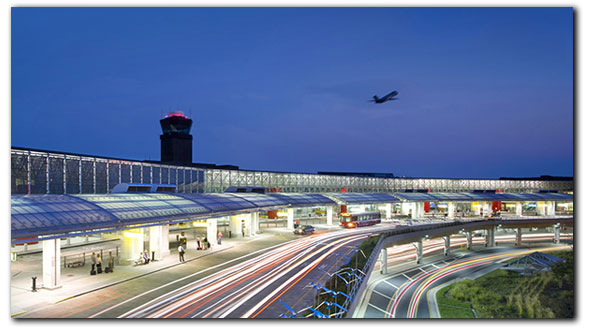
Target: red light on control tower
{"points": [[176, 114]]}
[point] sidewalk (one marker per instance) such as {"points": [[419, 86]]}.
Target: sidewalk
{"points": [[77, 280]]}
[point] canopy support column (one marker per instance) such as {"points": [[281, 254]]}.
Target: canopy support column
{"points": [[159, 241], [51, 263], [451, 209], [290, 219], [329, 215], [132, 243], [388, 211], [212, 231], [253, 223], [235, 226], [550, 208], [519, 209]]}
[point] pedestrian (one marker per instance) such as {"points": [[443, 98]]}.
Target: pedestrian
{"points": [[94, 261], [243, 228], [98, 263], [219, 237], [146, 257], [111, 262], [205, 242], [183, 239], [198, 243], [181, 252]]}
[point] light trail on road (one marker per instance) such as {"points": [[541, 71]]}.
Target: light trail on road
{"points": [[248, 288], [422, 282]]}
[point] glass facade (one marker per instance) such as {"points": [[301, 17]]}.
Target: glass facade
{"points": [[39, 172]]}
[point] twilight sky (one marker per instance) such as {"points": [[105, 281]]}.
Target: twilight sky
{"points": [[483, 92]]}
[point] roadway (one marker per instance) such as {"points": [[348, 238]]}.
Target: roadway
{"points": [[402, 293], [243, 282]]}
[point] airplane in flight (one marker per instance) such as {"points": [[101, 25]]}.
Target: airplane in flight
{"points": [[389, 96]]}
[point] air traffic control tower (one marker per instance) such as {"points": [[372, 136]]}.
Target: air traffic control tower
{"points": [[176, 141]]}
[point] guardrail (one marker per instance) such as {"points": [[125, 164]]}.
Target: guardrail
{"points": [[80, 259], [358, 289]]}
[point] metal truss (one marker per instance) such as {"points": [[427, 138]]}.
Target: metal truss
{"points": [[38, 172]]}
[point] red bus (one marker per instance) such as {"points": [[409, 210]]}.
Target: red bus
{"points": [[359, 219]]}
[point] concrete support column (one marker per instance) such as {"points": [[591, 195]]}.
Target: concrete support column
{"points": [[487, 208], [418, 210], [477, 209], [519, 237], [404, 208], [159, 242], [132, 243], [384, 261], [388, 211], [330, 215], [235, 225], [51, 263], [550, 208], [451, 210], [290, 217], [469, 240], [446, 245], [211, 232], [556, 234], [253, 223], [420, 251], [541, 208], [490, 240], [519, 209], [412, 210]]}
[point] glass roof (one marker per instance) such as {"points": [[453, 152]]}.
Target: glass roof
{"points": [[131, 208], [262, 200], [305, 199], [415, 197], [219, 202], [46, 214], [431, 197], [35, 215], [365, 198]]}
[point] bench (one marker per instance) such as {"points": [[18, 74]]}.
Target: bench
{"points": [[75, 264], [138, 262]]}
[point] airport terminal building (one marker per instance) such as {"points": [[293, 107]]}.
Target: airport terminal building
{"points": [[56, 196]]}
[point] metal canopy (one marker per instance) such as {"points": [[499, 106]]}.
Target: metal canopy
{"points": [[305, 199], [37, 215], [262, 200], [469, 197], [136, 208], [416, 197], [216, 203], [365, 198], [48, 214]]}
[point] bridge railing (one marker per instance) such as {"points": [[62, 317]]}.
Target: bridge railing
{"points": [[358, 289]]}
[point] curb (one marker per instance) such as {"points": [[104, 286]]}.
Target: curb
{"points": [[135, 277]]}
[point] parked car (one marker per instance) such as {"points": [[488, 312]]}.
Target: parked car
{"points": [[304, 230]]}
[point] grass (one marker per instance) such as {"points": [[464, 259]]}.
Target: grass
{"points": [[451, 308], [507, 294]]}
